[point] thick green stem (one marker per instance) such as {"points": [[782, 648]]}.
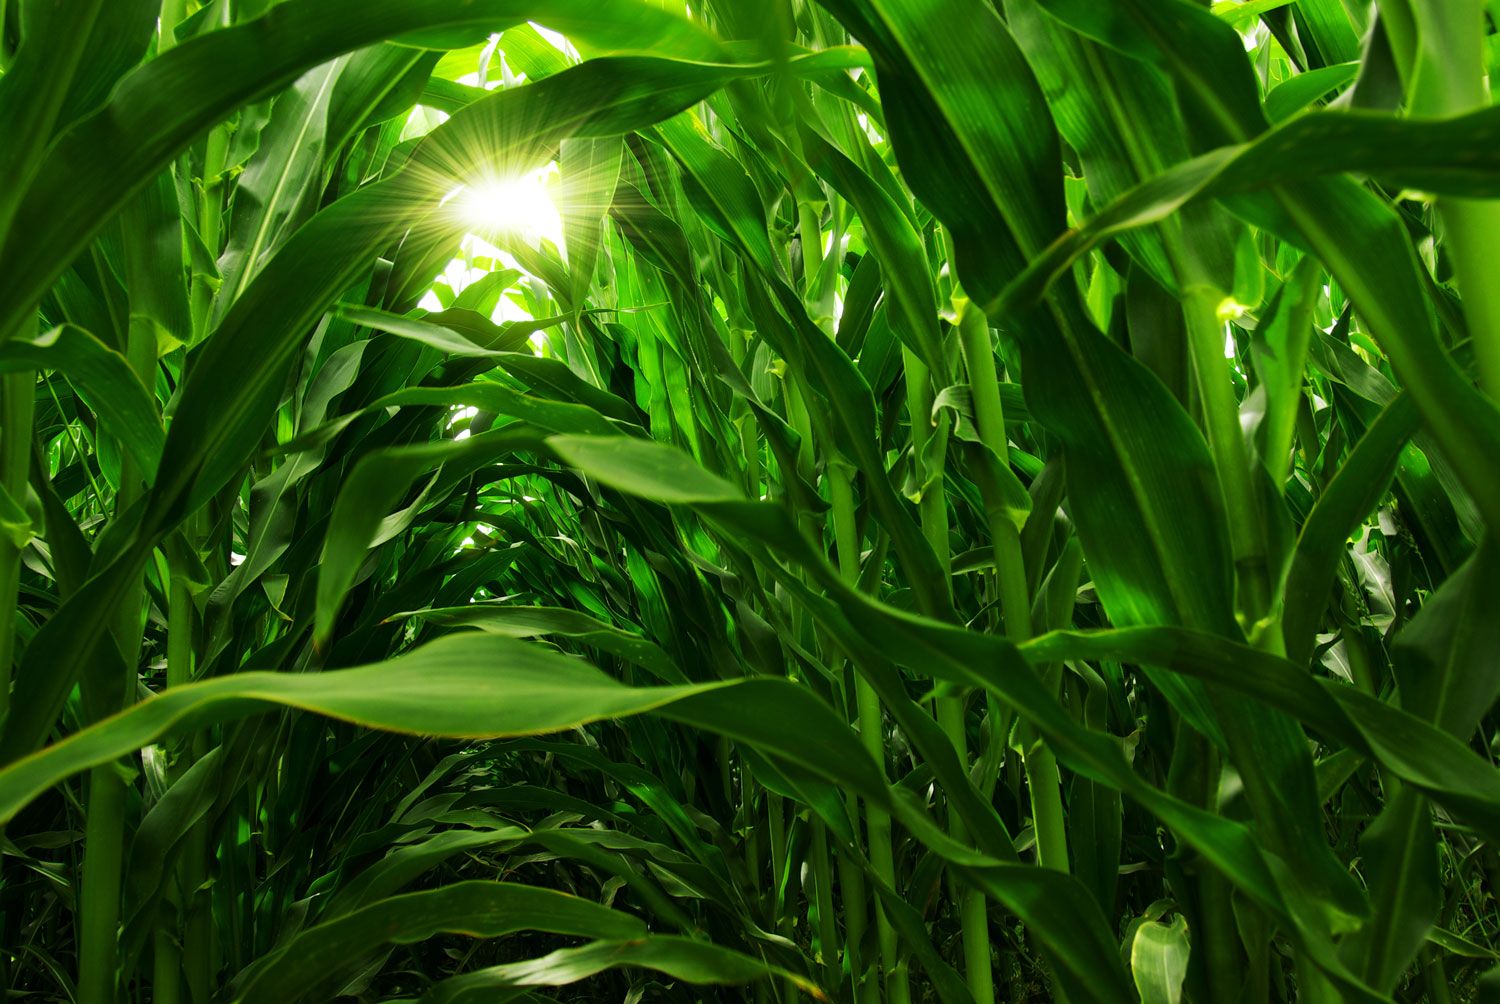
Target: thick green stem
{"points": [[195, 914], [851, 873], [99, 899], [210, 224], [872, 734], [801, 421], [17, 394], [196, 968], [878, 830], [933, 509], [780, 912], [989, 415], [1229, 977], [104, 833], [198, 922], [852, 890], [166, 970], [1450, 78], [867, 990], [1226, 439], [210, 214], [828, 932], [1042, 778], [105, 825], [1219, 969]]}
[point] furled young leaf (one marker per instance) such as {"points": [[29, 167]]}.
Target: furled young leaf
{"points": [[1158, 960]]}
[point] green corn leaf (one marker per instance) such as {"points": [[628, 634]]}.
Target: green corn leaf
{"points": [[158, 110], [328, 952], [432, 691], [530, 622], [680, 958], [953, 652], [508, 500], [104, 380], [1158, 960]]}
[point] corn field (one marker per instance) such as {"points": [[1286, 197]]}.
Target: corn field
{"points": [[867, 501]]}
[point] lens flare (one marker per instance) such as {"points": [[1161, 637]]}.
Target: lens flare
{"points": [[520, 206]]}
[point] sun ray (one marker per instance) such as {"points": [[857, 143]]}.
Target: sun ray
{"points": [[496, 207]]}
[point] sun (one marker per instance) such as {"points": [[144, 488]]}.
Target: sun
{"points": [[518, 206]]}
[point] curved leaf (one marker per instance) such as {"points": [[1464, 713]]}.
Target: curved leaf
{"points": [[680, 958], [326, 953]]}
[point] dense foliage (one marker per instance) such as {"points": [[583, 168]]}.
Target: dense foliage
{"points": [[865, 500]]}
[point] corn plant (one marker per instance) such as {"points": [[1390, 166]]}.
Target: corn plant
{"points": [[770, 500]]}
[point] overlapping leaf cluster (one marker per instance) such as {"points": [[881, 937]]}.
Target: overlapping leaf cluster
{"points": [[977, 500]]}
